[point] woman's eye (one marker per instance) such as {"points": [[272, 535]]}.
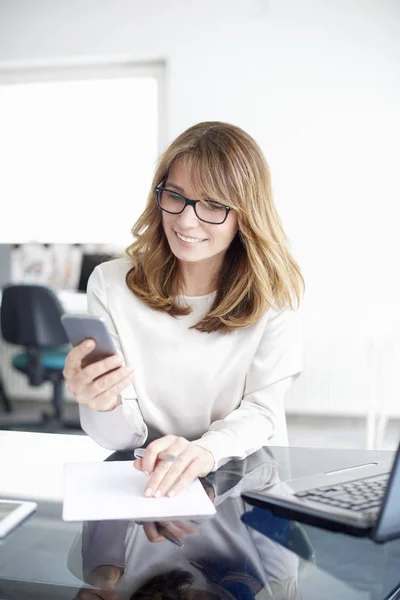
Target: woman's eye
{"points": [[213, 205], [174, 196]]}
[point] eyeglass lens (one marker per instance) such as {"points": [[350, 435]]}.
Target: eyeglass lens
{"points": [[207, 210]]}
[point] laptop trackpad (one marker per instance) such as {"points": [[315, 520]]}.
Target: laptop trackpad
{"points": [[346, 469], [343, 475]]}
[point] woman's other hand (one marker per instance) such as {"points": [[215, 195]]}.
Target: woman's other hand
{"points": [[170, 478], [177, 529], [105, 578], [98, 385]]}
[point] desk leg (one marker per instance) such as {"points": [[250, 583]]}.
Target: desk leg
{"points": [[58, 398]]}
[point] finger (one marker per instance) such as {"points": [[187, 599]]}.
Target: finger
{"points": [[108, 382], [193, 470], [138, 464], [98, 393], [74, 357], [180, 529], [98, 369], [186, 453], [152, 534], [166, 472], [154, 449], [107, 400], [81, 382], [153, 486]]}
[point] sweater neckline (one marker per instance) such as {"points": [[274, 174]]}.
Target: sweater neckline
{"points": [[198, 297]]}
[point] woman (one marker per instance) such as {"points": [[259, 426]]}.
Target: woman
{"points": [[203, 307]]}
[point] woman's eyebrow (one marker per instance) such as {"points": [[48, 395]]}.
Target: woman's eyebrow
{"points": [[177, 187]]}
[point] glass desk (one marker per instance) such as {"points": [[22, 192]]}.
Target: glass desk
{"points": [[242, 553]]}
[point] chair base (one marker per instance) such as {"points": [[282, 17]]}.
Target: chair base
{"points": [[4, 398], [46, 424], [51, 423]]}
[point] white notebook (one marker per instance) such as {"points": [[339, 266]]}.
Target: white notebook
{"points": [[96, 491]]}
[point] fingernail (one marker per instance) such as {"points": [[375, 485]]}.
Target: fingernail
{"points": [[89, 343], [171, 493], [148, 492], [146, 472], [157, 494]]}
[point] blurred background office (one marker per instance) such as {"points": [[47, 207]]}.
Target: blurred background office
{"points": [[92, 91]]}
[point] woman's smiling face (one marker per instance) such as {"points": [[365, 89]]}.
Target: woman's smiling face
{"points": [[202, 240]]}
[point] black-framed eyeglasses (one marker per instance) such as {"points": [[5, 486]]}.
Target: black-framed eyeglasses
{"points": [[175, 203]]}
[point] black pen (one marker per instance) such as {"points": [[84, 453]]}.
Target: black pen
{"points": [[162, 530]]}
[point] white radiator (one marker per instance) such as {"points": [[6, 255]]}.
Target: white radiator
{"points": [[346, 377]]}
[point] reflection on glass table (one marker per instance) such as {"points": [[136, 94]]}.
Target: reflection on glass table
{"points": [[244, 552]]}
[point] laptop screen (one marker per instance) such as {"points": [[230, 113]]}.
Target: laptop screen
{"points": [[388, 523]]}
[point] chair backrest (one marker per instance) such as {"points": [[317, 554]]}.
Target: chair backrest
{"points": [[89, 263], [30, 316]]}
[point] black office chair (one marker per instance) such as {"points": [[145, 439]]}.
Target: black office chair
{"points": [[30, 317]]}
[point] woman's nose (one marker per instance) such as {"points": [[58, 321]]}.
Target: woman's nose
{"points": [[188, 217]]}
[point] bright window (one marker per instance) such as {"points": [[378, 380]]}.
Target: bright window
{"points": [[77, 154]]}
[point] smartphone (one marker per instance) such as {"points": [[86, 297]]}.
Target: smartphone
{"points": [[82, 327], [13, 513]]}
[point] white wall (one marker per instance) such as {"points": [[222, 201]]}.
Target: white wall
{"points": [[314, 81]]}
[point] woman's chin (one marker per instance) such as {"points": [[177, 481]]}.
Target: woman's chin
{"points": [[186, 252]]}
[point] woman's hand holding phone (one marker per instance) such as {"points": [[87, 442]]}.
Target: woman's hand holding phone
{"points": [[99, 384]]}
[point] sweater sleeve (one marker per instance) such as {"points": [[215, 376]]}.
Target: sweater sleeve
{"points": [[122, 428], [276, 364]]}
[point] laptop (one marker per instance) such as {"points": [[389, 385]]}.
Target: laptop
{"points": [[363, 500]]}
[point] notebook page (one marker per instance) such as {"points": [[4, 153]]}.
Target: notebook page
{"points": [[95, 491]]}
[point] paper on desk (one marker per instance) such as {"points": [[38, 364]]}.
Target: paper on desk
{"points": [[96, 491]]}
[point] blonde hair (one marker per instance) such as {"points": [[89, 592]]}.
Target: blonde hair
{"points": [[258, 270]]}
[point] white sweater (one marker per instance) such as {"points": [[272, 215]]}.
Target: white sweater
{"points": [[224, 392]]}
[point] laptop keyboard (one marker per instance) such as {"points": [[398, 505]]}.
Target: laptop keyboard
{"points": [[360, 495]]}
